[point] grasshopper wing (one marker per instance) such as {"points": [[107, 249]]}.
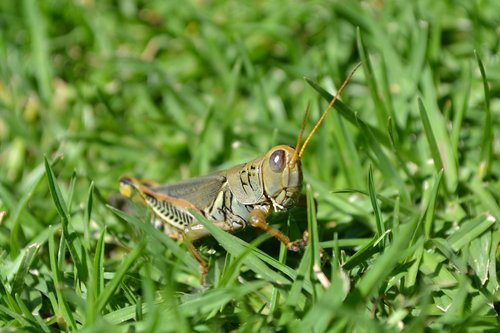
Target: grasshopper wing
{"points": [[200, 191]]}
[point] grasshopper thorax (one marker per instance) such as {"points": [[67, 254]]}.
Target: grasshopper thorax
{"points": [[281, 176]]}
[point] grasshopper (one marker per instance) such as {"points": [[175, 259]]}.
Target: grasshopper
{"points": [[232, 199]]}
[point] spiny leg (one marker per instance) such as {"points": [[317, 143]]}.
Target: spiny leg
{"points": [[197, 255], [184, 236], [258, 220], [194, 233]]}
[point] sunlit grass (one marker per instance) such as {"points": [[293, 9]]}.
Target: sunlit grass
{"points": [[404, 171]]}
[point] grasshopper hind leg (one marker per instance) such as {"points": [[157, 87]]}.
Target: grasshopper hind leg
{"points": [[203, 264], [178, 235], [167, 229]]}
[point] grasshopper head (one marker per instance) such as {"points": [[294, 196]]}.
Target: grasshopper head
{"points": [[282, 176]]}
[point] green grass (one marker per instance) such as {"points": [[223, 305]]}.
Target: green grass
{"points": [[405, 169]]}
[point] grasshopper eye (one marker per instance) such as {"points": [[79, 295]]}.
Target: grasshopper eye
{"points": [[277, 160]]}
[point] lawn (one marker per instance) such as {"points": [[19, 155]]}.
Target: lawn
{"points": [[401, 181]]}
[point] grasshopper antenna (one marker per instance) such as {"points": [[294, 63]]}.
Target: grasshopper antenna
{"points": [[301, 133], [318, 123]]}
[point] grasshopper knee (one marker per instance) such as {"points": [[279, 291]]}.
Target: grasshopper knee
{"points": [[258, 219]]}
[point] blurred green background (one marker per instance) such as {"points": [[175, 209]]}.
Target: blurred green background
{"points": [[169, 90]]}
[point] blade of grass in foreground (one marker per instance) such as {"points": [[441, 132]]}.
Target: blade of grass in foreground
{"points": [[65, 218], [150, 230], [479, 250], [369, 249], [376, 208], [36, 321], [216, 298], [62, 308], [469, 230], [297, 286], [486, 200], [96, 284], [15, 316], [232, 265], [117, 279], [27, 260], [275, 297], [493, 283], [431, 139], [383, 266], [431, 207], [314, 244], [88, 214], [321, 313], [200, 304], [22, 204], [234, 245], [436, 132]]}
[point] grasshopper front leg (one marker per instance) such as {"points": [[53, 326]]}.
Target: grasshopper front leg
{"points": [[258, 220]]}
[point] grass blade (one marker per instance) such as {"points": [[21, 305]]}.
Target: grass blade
{"points": [[431, 139], [431, 206], [96, 283], [151, 231], [275, 297], [486, 199], [88, 211], [349, 157], [487, 139], [460, 113], [62, 308], [235, 246], [314, 243], [366, 251], [319, 316], [72, 243], [299, 283], [117, 279], [380, 110], [21, 206], [378, 272], [469, 230], [24, 267], [40, 47], [376, 208], [35, 321], [383, 162], [436, 133], [479, 256]]}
